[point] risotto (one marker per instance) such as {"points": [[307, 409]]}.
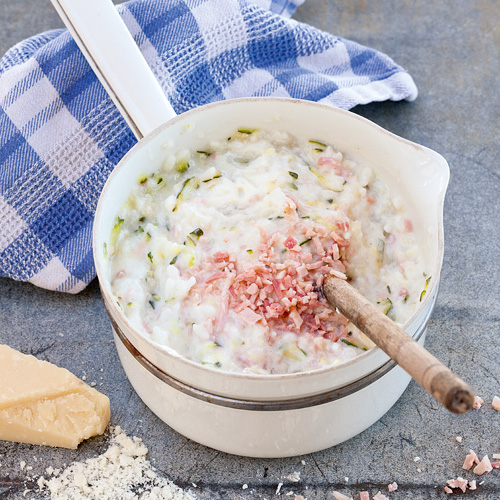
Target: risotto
{"points": [[221, 254]]}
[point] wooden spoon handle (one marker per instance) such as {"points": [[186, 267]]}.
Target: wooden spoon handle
{"points": [[428, 371]]}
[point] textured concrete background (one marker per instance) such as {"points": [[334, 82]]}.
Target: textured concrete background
{"points": [[452, 49]]}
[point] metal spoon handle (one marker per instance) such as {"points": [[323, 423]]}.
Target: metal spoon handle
{"points": [[109, 48], [428, 371]]}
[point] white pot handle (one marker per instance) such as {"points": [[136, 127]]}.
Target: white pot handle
{"points": [[109, 48]]}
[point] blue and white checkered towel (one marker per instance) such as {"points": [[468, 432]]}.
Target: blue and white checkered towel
{"points": [[60, 134]]}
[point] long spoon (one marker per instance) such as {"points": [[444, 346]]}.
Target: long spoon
{"points": [[428, 371]]}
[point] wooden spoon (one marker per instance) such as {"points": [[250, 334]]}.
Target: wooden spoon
{"points": [[428, 371]]}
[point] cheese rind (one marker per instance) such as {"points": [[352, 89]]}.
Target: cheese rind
{"points": [[41, 403]]}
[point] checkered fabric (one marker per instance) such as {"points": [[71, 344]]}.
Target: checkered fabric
{"points": [[60, 134]]}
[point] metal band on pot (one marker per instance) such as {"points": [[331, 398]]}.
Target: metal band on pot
{"points": [[240, 404]]}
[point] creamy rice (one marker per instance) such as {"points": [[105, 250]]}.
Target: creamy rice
{"points": [[221, 254]]}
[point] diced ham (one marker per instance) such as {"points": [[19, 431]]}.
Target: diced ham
{"points": [[472, 485], [343, 225], [338, 274], [290, 243], [392, 487], [478, 402], [216, 276], [448, 490], [327, 160], [297, 319], [249, 316], [495, 465], [459, 482], [364, 495], [408, 226], [379, 496], [314, 265], [470, 459], [496, 403], [280, 289], [483, 466], [221, 256]]}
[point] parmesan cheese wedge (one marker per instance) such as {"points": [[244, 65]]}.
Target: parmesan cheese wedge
{"points": [[41, 403]]}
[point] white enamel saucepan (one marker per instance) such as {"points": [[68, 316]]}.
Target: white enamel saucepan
{"points": [[252, 415]]}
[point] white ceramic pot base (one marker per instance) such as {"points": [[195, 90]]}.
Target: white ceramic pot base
{"points": [[265, 434]]}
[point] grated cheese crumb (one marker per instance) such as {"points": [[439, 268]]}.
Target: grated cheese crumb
{"points": [[122, 471], [294, 477]]}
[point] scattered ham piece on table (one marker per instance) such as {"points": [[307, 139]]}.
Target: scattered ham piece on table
{"points": [[478, 402], [496, 403], [483, 466], [392, 487], [470, 460], [459, 482], [341, 496]]}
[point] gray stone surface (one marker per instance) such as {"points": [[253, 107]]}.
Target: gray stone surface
{"points": [[452, 50]]}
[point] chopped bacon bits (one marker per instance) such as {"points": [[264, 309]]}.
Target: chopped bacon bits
{"points": [[478, 402]]}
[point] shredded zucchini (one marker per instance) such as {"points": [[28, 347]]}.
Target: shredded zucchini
{"points": [[115, 233], [386, 307], [318, 143], [426, 286], [352, 344]]}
